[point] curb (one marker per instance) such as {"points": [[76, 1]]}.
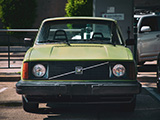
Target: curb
{"points": [[15, 103], [9, 78]]}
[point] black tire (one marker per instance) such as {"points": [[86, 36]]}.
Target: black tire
{"points": [[29, 107], [130, 107]]}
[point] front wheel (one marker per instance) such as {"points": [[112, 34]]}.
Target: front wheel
{"points": [[29, 107], [130, 107]]}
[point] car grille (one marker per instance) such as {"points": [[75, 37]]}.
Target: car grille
{"points": [[78, 70]]}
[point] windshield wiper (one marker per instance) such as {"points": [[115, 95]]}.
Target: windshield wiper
{"points": [[50, 41]]}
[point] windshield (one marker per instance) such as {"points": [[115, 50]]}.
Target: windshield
{"points": [[79, 31]]}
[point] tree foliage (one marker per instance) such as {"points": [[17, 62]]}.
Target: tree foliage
{"points": [[17, 13], [79, 8]]}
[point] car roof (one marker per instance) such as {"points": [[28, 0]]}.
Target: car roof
{"points": [[145, 15], [69, 18]]}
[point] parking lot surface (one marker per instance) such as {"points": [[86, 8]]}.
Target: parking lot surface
{"points": [[147, 107]]}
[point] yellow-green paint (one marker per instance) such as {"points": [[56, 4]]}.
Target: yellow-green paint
{"points": [[63, 52], [78, 52]]}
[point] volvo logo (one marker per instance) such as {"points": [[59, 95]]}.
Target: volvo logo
{"points": [[78, 70]]}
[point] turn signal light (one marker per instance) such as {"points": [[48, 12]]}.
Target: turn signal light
{"points": [[25, 71]]}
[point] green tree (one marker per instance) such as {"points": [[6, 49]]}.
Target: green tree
{"points": [[79, 8], [17, 13]]}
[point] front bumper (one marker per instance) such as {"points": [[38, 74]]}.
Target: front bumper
{"points": [[50, 88]]}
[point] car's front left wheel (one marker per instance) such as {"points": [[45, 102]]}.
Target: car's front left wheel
{"points": [[29, 107], [130, 107]]}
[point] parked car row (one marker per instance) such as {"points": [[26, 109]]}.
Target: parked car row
{"points": [[148, 42]]}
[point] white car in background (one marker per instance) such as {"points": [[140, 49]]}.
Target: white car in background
{"points": [[148, 39]]}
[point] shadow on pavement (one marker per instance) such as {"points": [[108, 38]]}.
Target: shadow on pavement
{"points": [[77, 108]]}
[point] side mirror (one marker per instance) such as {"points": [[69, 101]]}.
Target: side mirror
{"points": [[130, 42], [28, 41], [145, 29]]}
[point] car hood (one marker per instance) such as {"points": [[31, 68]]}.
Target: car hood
{"points": [[78, 52]]}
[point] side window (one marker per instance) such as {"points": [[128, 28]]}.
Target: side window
{"points": [[150, 21]]}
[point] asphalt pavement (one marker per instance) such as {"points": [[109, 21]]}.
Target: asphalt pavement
{"points": [[147, 108]]}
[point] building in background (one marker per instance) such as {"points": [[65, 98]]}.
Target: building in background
{"points": [[48, 9], [147, 4]]}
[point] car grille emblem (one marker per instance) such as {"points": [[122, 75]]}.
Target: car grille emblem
{"points": [[79, 70]]}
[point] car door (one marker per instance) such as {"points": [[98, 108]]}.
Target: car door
{"points": [[149, 41], [158, 34]]}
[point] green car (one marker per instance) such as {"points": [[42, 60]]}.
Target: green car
{"points": [[78, 60]]}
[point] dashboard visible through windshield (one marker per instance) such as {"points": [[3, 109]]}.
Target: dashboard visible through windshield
{"points": [[80, 31]]}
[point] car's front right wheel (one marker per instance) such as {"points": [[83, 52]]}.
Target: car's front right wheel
{"points": [[29, 107], [130, 107]]}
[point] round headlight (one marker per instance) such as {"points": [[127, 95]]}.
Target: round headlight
{"points": [[39, 70], [118, 70]]}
